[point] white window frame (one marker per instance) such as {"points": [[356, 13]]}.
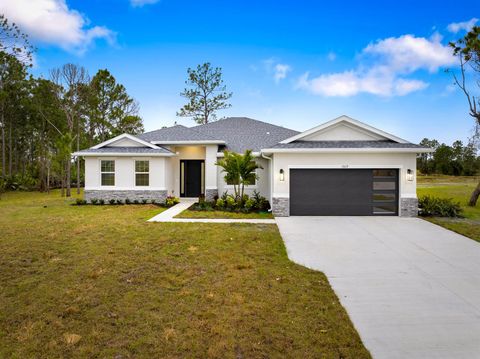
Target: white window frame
{"points": [[114, 172], [135, 172]]}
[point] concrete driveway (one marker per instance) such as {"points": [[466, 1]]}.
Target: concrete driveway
{"points": [[412, 289]]}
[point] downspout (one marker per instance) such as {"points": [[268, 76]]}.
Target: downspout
{"points": [[271, 178]]}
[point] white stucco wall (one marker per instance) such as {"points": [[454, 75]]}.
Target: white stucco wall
{"points": [[402, 161], [262, 185], [125, 173]]}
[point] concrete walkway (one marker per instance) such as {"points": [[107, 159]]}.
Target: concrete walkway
{"points": [[185, 203], [411, 288]]}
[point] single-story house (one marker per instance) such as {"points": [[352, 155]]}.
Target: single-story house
{"points": [[342, 167]]}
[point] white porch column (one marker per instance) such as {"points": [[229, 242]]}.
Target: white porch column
{"points": [[211, 188]]}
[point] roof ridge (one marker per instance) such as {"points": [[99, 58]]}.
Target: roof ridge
{"points": [[242, 118]]}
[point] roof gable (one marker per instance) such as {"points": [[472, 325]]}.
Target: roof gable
{"points": [[344, 128], [125, 140]]}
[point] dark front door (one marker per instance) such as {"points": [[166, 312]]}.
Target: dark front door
{"points": [[343, 192], [191, 178]]}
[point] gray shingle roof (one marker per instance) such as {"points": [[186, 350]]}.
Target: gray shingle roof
{"points": [[175, 133], [239, 133], [345, 144], [132, 150], [242, 133]]}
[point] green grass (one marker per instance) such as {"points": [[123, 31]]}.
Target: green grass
{"points": [[190, 213], [99, 281], [459, 189]]}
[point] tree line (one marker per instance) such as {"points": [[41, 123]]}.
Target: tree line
{"points": [[455, 160], [44, 120]]}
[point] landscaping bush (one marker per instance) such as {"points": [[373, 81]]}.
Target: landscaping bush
{"points": [[19, 182], [112, 201], [227, 202], [153, 201], [439, 207], [220, 203], [144, 201], [127, 201], [80, 202], [230, 202], [136, 201], [171, 201], [101, 202], [119, 201], [249, 204], [261, 203], [94, 201]]}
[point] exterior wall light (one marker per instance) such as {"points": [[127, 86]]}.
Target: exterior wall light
{"points": [[282, 175], [409, 175]]}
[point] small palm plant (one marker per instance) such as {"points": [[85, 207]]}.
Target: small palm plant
{"points": [[239, 170]]}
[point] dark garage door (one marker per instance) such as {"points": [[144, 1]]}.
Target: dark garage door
{"points": [[343, 192]]}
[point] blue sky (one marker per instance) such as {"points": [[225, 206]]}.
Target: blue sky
{"points": [[293, 63]]}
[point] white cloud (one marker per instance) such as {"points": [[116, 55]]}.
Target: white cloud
{"points": [[139, 3], [389, 61], [52, 22], [408, 53], [351, 83], [465, 25], [280, 72]]}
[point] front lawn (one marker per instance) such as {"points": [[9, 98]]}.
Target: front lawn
{"points": [[460, 189], [191, 213], [99, 281]]}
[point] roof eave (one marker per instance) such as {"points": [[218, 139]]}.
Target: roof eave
{"points": [[206, 142], [346, 150], [118, 154]]}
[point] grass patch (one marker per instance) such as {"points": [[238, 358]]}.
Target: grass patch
{"points": [[99, 281], [459, 189], [191, 213]]}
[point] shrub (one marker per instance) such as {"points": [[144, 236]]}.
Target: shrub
{"points": [[80, 202], [119, 201], [171, 201], [144, 201], [440, 207], [94, 201], [101, 202], [136, 201], [112, 201], [261, 203], [224, 196], [127, 201], [19, 182], [203, 206], [220, 203], [230, 201], [249, 204], [153, 201]]}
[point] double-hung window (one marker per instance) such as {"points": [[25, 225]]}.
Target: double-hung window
{"points": [[107, 169], [142, 173]]}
